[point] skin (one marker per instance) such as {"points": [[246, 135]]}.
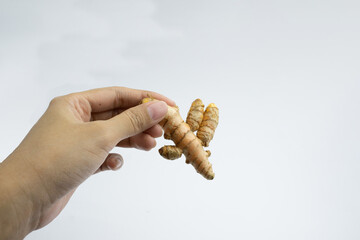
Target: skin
{"points": [[69, 143]]}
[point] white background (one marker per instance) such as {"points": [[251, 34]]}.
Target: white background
{"points": [[285, 75]]}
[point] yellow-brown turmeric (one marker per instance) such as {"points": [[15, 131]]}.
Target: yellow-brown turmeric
{"points": [[182, 134]]}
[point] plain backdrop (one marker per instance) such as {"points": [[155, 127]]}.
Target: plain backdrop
{"points": [[285, 75]]}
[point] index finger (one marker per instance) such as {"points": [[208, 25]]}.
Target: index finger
{"points": [[104, 99]]}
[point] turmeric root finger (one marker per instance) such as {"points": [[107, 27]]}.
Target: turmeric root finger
{"points": [[195, 115], [208, 125], [170, 152]]}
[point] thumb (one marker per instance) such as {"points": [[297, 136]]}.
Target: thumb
{"points": [[137, 119]]}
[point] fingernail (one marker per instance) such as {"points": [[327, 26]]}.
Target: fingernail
{"points": [[117, 163], [157, 110]]}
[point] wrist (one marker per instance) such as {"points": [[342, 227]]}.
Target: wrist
{"points": [[19, 211]]}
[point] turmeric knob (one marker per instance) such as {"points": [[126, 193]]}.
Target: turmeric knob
{"points": [[170, 152], [195, 115], [208, 125]]}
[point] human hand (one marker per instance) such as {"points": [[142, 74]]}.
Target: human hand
{"points": [[69, 143]]}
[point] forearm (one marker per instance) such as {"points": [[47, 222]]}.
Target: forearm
{"points": [[17, 208]]}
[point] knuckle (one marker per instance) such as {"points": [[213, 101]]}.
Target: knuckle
{"points": [[60, 100], [136, 120], [55, 100], [118, 100]]}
